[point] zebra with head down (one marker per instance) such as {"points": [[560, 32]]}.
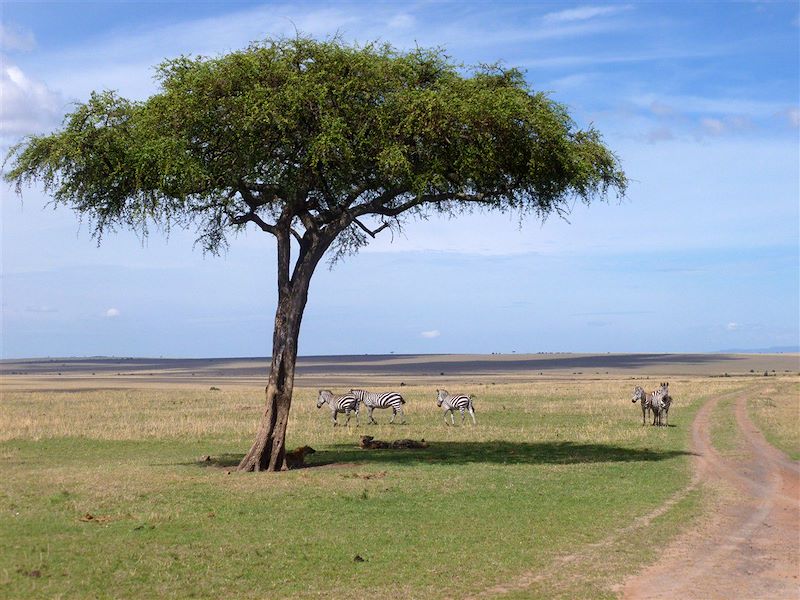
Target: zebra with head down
{"points": [[453, 402], [345, 403]]}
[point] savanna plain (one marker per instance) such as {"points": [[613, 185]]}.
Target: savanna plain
{"points": [[121, 482]]}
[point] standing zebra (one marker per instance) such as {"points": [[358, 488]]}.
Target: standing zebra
{"points": [[664, 400], [450, 403], [346, 404], [373, 400], [645, 400]]}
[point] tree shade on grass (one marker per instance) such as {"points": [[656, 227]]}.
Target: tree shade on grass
{"points": [[322, 145]]}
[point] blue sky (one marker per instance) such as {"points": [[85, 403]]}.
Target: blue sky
{"points": [[700, 100]]}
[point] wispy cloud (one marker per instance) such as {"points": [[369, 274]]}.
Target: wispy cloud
{"points": [[433, 333], [792, 115], [112, 313], [583, 13], [659, 134], [15, 38], [40, 309], [401, 21], [723, 104]]}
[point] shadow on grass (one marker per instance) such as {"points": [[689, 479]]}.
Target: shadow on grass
{"points": [[499, 452]]}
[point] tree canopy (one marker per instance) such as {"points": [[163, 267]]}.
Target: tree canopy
{"points": [[317, 133]]}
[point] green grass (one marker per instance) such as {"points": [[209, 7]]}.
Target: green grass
{"points": [[550, 470]]}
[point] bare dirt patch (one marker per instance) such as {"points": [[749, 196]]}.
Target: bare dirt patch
{"points": [[750, 546]]}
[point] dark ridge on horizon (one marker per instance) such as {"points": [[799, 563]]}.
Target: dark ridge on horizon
{"points": [[406, 365], [390, 355]]}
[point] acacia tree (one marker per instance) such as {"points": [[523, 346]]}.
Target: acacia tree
{"points": [[321, 145]]}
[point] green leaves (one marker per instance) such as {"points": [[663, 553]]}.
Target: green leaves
{"points": [[316, 131]]}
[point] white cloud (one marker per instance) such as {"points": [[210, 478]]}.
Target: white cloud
{"points": [[661, 109], [659, 134], [720, 105], [112, 312], [582, 13], [40, 309], [16, 38], [28, 106], [713, 126], [433, 333], [793, 116], [730, 124], [402, 21], [732, 326]]}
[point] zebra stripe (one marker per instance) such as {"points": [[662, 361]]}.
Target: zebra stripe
{"points": [[450, 403], [373, 400], [346, 404]]}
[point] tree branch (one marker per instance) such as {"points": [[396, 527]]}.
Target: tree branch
{"points": [[252, 217], [378, 206], [368, 230]]}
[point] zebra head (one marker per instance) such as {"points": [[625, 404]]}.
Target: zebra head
{"points": [[324, 396], [440, 396], [638, 394]]}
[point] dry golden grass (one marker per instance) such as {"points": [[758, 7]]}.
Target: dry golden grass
{"points": [[776, 411], [154, 412]]}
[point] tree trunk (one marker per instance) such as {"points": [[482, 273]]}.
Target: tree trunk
{"points": [[267, 452]]}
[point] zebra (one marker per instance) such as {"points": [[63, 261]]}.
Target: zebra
{"points": [[662, 398], [346, 404], [450, 403], [657, 402], [645, 400], [373, 400]]}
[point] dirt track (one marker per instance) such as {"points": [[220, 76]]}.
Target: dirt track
{"points": [[750, 547]]}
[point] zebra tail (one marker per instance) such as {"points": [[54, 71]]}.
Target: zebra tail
{"points": [[402, 400]]}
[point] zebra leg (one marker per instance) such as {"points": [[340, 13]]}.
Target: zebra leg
{"points": [[402, 415], [472, 414], [452, 418], [394, 414], [357, 423], [347, 421], [371, 419], [333, 418], [463, 416], [644, 414]]}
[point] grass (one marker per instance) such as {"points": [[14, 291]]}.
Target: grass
{"points": [[724, 430], [776, 412], [552, 469]]}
